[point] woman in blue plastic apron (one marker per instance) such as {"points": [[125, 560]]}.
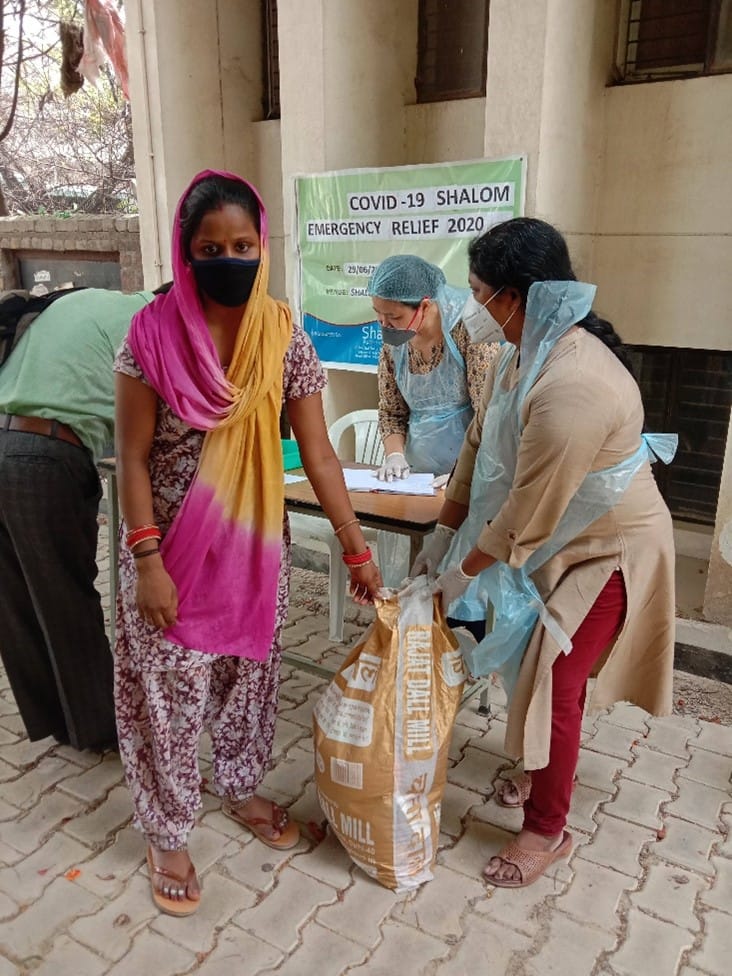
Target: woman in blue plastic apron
{"points": [[559, 525], [430, 373]]}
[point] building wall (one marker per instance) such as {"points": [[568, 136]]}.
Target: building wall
{"points": [[195, 90], [266, 174], [663, 248], [635, 176], [115, 236], [438, 132], [718, 595], [343, 105], [546, 91]]}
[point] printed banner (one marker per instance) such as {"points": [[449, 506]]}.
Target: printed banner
{"points": [[349, 221]]}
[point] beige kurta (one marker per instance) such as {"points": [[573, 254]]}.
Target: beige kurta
{"points": [[583, 414]]}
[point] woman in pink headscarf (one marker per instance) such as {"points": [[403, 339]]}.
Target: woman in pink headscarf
{"points": [[204, 571]]}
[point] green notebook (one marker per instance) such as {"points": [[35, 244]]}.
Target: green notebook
{"points": [[291, 454]]}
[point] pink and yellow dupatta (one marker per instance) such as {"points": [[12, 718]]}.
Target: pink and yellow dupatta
{"points": [[223, 549]]}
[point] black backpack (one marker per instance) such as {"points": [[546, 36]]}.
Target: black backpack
{"points": [[17, 310]]}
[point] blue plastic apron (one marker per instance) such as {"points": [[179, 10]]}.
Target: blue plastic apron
{"points": [[552, 308], [439, 404], [517, 605]]}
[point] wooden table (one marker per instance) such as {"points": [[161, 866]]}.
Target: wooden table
{"points": [[412, 515]]}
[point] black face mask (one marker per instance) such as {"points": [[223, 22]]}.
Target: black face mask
{"points": [[396, 337], [228, 281]]}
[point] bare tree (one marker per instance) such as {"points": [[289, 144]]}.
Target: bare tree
{"points": [[60, 155], [18, 13]]}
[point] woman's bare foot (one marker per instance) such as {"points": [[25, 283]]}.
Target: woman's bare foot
{"points": [[177, 864], [500, 870]]}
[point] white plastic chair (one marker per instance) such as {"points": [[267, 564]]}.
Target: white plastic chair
{"points": [[365, 423], [315, 532]]}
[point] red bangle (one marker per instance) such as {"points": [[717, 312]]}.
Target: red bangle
{"points": [[361, 559], [135, 536]]}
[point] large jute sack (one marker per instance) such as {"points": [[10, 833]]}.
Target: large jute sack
{"points": [[382, 732]]}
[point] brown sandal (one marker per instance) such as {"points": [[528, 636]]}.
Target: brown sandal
{"points": [[520, 784], [280, 820], [529, 864], [171, 906]]}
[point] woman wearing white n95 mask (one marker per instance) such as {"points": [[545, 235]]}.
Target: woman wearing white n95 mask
{"points": [[554, 519], [480, 323], [431, 370], [482, 327]]}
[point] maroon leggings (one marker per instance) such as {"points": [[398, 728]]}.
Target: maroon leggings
{"points": [[545, 811]]}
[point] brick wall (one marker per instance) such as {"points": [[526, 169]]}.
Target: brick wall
{"points": [[107, 235]]}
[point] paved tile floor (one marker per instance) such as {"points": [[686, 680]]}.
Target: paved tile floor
{"points": [[647, 891]]}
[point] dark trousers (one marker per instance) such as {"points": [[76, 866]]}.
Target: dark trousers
{"points": [[52, 637]]}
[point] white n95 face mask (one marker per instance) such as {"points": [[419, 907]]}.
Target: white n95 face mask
{"points": [[479, 323]]}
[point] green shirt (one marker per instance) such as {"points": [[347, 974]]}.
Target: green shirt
{"points": [[62, 367]]}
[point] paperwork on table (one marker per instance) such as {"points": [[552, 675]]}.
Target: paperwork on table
{"points": [[364, 479]]}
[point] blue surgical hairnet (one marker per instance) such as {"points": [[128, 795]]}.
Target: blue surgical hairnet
{"points": [[406, 278]]}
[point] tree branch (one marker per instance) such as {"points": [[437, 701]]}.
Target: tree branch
{"points": [[16, 80]]}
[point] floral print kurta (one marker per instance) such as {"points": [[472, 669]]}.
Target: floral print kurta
{"points": [[167, 695], [393, 408]]}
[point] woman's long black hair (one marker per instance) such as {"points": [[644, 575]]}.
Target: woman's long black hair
{"points": [[213, 193], [519, 252]]}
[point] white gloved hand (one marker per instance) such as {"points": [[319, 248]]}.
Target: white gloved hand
{"points": [[452, 584], [395, 466], [433, 551]]}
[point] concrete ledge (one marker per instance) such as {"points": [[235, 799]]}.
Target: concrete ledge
{"points": [[702, 633], [705, 663], [693, 540], [305, 558]]}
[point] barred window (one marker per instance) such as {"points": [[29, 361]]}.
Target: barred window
{"points": [[674, 39], [688, 392], [452, 49], [270, 61]]}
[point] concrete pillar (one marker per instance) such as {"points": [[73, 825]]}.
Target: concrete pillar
{"points": [[549, 62], [718, 593], [195, 89], [516, 50], [346, 71]]}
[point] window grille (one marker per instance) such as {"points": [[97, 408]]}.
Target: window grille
{"points": [[688, 392], [661, 39], [452, 49], [270, 61]]}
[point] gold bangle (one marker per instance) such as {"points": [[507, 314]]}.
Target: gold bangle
{"points": [[370, 562], [353, 521]]}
